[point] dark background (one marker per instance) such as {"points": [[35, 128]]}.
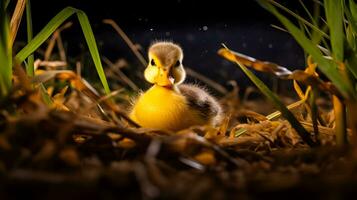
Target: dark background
{"points": [[200, 26]]}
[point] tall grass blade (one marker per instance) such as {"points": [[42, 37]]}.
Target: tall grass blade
{"points": [[275, 100], [352, 62], [312, 18], [351, 36], [316, 36], [328, 67], [350, 50], [5, 53], [93, 49], [30, 60], [334, 16], [352, 20], [353, 9], [299, 18], [55, 22], [7, 3], [44, 34]]}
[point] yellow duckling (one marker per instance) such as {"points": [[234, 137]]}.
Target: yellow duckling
{"points": [[169, 104]]}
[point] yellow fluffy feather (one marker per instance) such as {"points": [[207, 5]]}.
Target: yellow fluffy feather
{"points": [[165, 109]]}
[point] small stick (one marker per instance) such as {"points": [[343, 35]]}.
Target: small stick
{"points": [[16, 19], [79, 69], [60, 47], [53, 64], [121, 74], [50, 46], [53, 39], [101, 100], [127, 40]]}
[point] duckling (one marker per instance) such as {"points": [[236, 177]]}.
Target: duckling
{"points": [[169, 104]]}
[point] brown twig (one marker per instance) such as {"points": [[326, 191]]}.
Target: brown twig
{"points": [[52, 64], [50, 46], [60, 47], [16, 19], [53, 41], [127, 40], [121, 75], [79, 69], [101, 100], [203, 141], [278, 71]]}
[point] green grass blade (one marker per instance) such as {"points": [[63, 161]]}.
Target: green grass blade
{"points": [[352, 20], [351, 36], [316, 36], [93, 49], [304, 29], [312, 26], [352, 62], [277, 103], [46, 98], [328, 67], [45, 33], [5, 52], [334, 16], [308, 13], [55, 22], [30, 59], [7, 3], [353, 9]]}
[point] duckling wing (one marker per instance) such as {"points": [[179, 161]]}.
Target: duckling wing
{"points": [[202, 102]]}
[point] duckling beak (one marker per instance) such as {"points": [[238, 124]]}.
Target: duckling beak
{"points": [[164, 78]]}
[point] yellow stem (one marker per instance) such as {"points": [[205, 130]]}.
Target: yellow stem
{"points": [[340, 121]]}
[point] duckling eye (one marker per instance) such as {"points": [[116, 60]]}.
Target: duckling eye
{"points": [[178, 63], [152, 62]]}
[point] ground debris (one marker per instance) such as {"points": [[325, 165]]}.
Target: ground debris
{"points": [[61, 152], [68, 152]]}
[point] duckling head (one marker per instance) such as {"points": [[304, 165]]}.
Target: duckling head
{"points": [[165, 65]]}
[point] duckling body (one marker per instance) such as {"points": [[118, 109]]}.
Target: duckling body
{"points": [[163, 108], [168, 104]]}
